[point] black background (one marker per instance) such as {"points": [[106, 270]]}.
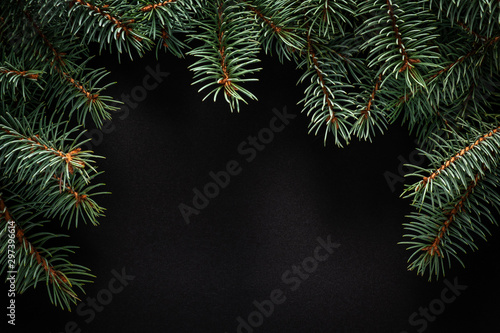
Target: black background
{"points": [[200, 277]]}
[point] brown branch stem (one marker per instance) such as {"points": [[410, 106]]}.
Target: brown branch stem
{"points": [[23, 74], [104, 12], [368, 107], [54, 275], [270, 23], [461, 153], [332, 118], [34, 142], [451, 215], [149, 8]]}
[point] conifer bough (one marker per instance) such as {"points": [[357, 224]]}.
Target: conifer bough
{"points": [[430, 64]]}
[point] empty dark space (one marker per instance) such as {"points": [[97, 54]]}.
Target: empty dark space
{"points": [[245, 262]]}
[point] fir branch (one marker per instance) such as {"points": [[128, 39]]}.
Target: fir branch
{"points": [[281, 32], [326, 93], [371, 110], [471, 53], [163, 20], [58, 56], [458, 155], [449, 173], [399, 39], [397, 36], [70, 203], [36, 263], [433, 249], [103, 11], [95, 105], [438, 233], [54, 276], [33, 154], [447, 86], [366, 111], [478, 15], [478, 36], [91, 97], [38, 148], [229, 50], [325, 96], [115, 21], [87, 99], [277, 29], [328, 18], [486, 43], [79, 197], [15, 81]]}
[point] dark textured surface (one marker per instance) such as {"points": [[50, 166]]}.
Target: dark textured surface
{"points": [[242, 247]]}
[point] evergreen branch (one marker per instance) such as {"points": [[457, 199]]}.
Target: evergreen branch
{"points": [[93, 102], [39, 148], [115, 21], [478, 15], [449, 174], [103, 11], [399, 39], [280, 27], [458, 155], [324, 90], [80, 95], [438, 233], [371, 116], [433, 249], [36, 264], [472, 32], [54, 276], [58, 56], [441, 113], [69, 203], [274, 27], [79, 198], [165, 20], [229, 47], [472, 52], [326, 18], [32, 154], [366, 111], [14, 80], [399, 44], [91, 97], [325, 97], [96, 106], [440, 90]]}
